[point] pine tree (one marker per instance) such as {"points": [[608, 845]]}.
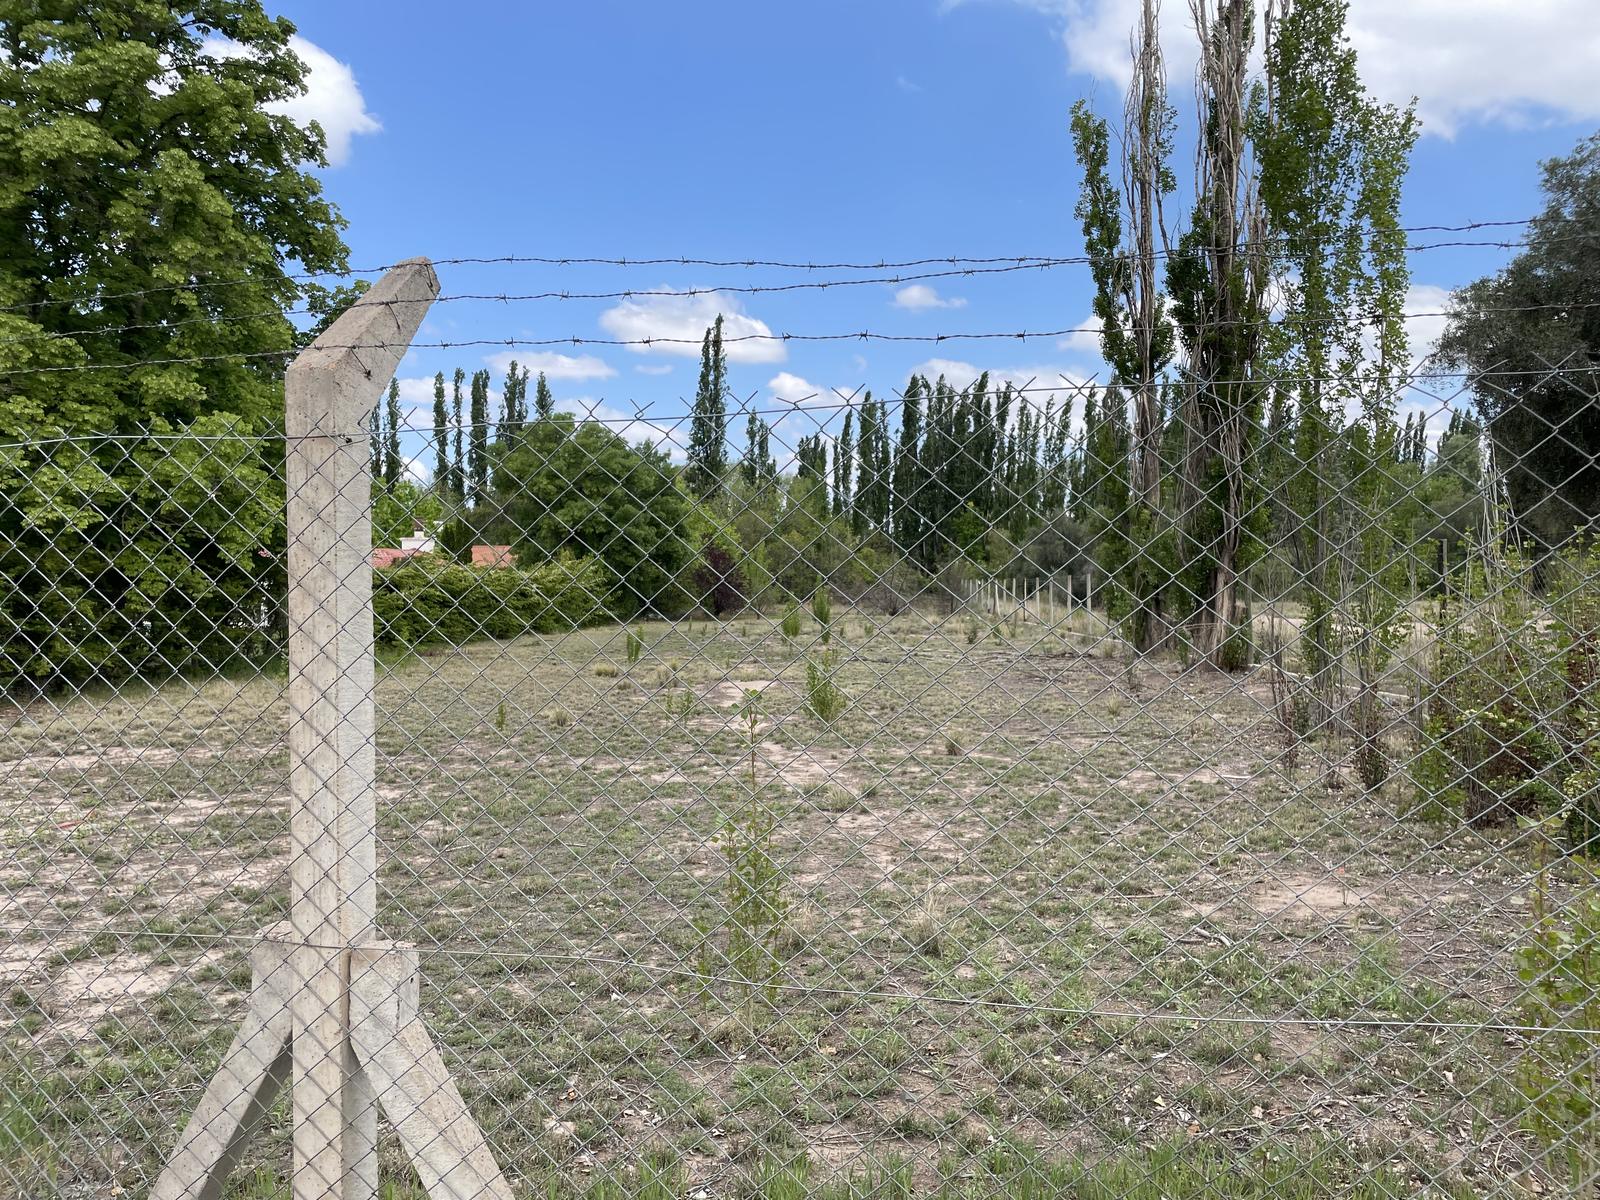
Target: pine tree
{"points": [[708, 426], [441, 435], [391, 437]]}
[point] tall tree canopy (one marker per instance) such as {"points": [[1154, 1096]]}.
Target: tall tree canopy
{"points": [[1529, 339], [149, 207]]}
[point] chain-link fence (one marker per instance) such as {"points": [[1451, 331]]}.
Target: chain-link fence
{"points": [[1045, 790]]}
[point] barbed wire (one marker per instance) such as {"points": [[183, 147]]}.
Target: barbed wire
{"points": [[973, 265], [864, 335]]}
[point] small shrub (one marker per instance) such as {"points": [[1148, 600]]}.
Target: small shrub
{"points": [[824, 698], [972, 632], [791, 622], [1560, 969], [605, 670], [635, 646], [756, 883], [822, 610], [556, 717]]}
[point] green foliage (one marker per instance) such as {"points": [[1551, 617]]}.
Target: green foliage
{"points": [[1514, 714], [791, 622], [825, 699], [162, 558], [455, 540], [428, 600], [1560, 971], [579, 488], [757, 906], [708, 426], [635, 646], [822, 610], [137, 160], [1513, 331], [398, 511]]}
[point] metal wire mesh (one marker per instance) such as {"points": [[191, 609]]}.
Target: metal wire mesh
{"points": [[927, 823]]}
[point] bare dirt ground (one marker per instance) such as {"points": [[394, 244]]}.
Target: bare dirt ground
{"points": [[1031, 896]]}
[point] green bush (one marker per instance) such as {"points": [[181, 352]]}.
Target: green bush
{"points": [[428, 600], [791, 622], [1504, 722], [1560, 969], [824, 697], [822, 610]]}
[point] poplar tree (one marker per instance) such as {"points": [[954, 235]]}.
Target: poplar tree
{"points": [[544, 404], [458, 474], [478, 438], [909, 486], [1124, 231], [708, 425], [391, 437], [441, 435], [1218, 279], [844, 468]]}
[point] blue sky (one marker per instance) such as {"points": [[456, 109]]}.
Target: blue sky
{"points": [[827, 131]]}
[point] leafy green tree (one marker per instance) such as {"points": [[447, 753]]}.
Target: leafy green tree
{"points": [[844, 467], [544, 404], [1218, 283], [441, 435], [1331, 163], [393, 465], [478, 439], [708, 425], [1136, 336], [514, 396], [139, 167], [910, 496], [579, 488], [402, 509], [1529, 339], [457, 478]]}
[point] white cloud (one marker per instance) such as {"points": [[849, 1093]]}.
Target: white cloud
{"points": [[1040, 383], [417, 394], [332, 97], [789, 388], [554, 366], [654, 368], [916, 296], [956, 373], [634, 427], [682, 320], [1466, 61], [1085, 339], [1424, 306]]}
